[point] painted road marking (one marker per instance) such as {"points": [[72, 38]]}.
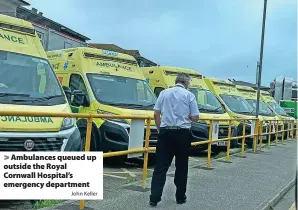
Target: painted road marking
{"points": [[293, 207], [129, 172], [194, 159], [114, 176], [121, 172]]}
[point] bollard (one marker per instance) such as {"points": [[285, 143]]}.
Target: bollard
{"points": [[87, 149], [283, 132], [292, 130], [276, 132], [243, 138], [288, 130], [296, 129], [269, 136], [261, 135], [229, 142], [256, 135], [209, 145], [145, 165]]}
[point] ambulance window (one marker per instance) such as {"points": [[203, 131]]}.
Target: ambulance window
{"points": [[157, 91], [77, 83]]}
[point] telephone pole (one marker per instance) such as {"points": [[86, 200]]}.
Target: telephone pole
{"points": [[260, 63]]}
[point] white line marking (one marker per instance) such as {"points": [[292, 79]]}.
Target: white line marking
{"points": [[293, 206], [114, 176], [194, 159], [121, 172], [129, 172]]}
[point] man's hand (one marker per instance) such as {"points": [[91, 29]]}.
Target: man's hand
{"points": [[157, 119], [194, 118]]}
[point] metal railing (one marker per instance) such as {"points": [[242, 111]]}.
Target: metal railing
{"points": [[258, 133]]}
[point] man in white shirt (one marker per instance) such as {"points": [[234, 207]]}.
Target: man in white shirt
{"points": [[178, 108]]}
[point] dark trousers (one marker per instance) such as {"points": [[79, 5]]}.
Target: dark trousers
{"points": [[171, 143]]}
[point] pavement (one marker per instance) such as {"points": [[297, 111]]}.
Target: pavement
{"points": [[287, 202], [245, 183]]}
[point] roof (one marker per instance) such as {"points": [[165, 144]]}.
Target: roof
{"points": [[91, 51], [242, 87], [115, 48], [264, 92], [218, 80], [15, 21], [248, 84], [24, 3], [38, 18], [177, 69]]}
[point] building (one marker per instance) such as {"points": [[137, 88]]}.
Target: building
{"points": [[53, 35], [284, 88], [9, 7], [143, 62]]}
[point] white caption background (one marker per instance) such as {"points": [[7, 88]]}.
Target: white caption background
{"points": [[83, 171]]}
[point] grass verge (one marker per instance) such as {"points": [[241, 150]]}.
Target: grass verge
{"points": [[46, 203]]}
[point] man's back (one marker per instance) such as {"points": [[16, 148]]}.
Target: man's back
{"points": [[176, 105]]}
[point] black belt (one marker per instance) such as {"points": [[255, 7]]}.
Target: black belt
{"points": [[174, 128]]}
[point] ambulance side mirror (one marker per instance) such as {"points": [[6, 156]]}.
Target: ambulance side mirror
{"points": [[80, 99], [67, 92]]}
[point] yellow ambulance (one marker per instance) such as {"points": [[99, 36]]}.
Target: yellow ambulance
{"points": [[237, 107], [28, 83], [110, 83], [250, 95], [162, 77], [276, 108]]}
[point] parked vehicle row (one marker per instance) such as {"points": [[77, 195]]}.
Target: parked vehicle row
{"points": [[88, 80]]}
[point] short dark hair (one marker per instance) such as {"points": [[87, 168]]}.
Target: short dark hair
{"points": [[182, 78]]}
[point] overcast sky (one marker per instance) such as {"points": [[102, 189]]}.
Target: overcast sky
{"points": [[219, 38]]}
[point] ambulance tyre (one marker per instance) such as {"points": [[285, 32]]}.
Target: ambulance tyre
{"points": [[95, 140], [216, 149]]}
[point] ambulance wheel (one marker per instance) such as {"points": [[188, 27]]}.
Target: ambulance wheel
{"points": [[217, 150], [93, 144]]}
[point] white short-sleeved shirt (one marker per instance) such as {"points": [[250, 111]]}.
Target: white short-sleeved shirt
{"points": [[176, 104]]}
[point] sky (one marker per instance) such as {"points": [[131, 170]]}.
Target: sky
{"points": [[218, 38]]}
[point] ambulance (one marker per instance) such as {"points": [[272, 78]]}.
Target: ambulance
{"points": [[276, 108], [237, 107], [250, 95], [28, 83], [110, 84], [163, 77]]}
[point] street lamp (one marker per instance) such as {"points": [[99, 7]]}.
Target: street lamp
{"points": [[260, 63]]}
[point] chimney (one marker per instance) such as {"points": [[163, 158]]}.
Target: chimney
{"points": [[40, 13]]}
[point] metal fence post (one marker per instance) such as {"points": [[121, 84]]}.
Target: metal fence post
{"points": [[256, 135], [269, 135], [261, 134], [288, 130], [296, 129], [283, 132], [145, 164], [276, 132], [243, 138], [229, 142], [209, 145], [87, 149], [292, 129]]}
